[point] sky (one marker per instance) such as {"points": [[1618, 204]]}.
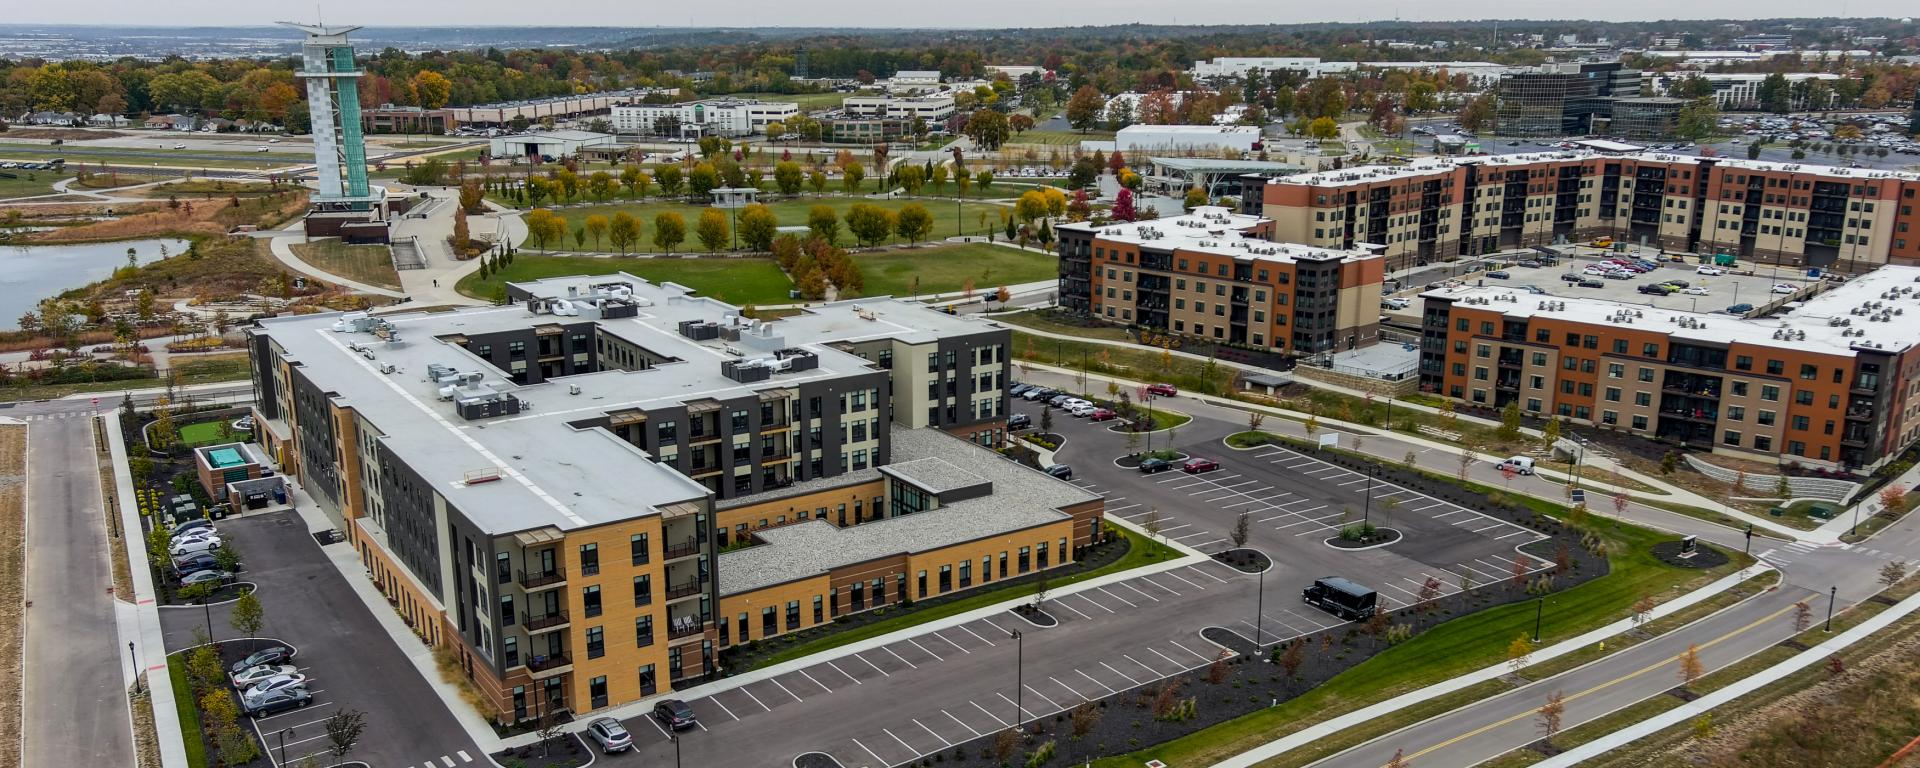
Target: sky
{"points": [[868, 13]]}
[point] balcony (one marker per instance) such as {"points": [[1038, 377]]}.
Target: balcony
{"points": [[780, 426], [1860, 413], [548, 666], [543, 579], [687, 548], [1698, 415], [686, 588], [544, 623], [680, 629]]}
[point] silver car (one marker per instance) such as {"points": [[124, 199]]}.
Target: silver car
{"points": [[610, 735]]}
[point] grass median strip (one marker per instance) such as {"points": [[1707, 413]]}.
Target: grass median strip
{"points": [[189, 715], [1140, 552], [13, 586]]}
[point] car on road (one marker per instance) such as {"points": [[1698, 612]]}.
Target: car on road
{"points": [[213, 576], [1520, 464], [610, 735], [1082, 409], [1162, 390], [1499, 274], [1198, 465], [1395, 303], [1019, 421], [1740, 308], [270, 655], [1571, 277], [193, 545], [1102, 414], [1061, 471], [276, 702], [1698, 290], [1677, 284], [1709, 269], [1785, 288], [1155, 466], [248, 677], [674, 714]]}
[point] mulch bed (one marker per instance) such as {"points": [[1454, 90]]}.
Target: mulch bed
{"points": [[568, 751], [1703, 556], [1545, 747], [1133, 461], [1036, 615], [1245, 560], [228, 592], [1380, 537], [1682, 694], [816, 760]]}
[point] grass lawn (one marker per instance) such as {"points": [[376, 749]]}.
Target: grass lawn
{"points": [[41, 183], [201, 369], [1039, 320], [735, 281], [189, 158], [1454, 648], [791, 213], [1137, 363], [1069, 138], [1142, 551], [949, 268], [370, 264], [203, 433], [189, 715]]}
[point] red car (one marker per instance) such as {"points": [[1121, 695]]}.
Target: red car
{"points": [[1101, 414], [1162, 390], [1196, 466]]}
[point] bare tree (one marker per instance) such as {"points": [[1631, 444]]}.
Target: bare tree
{"points": [[1429, 592], [1642, 608], [1040, 589], [1550, 714], [1691, 669], [1519, 652], [1802, 616], [1466, 463], [343, 731], [1151, 523], [1084, 718], [1240, 532], [1399, 760], [1254, 420], [1893, 572]]}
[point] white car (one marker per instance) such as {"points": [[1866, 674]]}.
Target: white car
{"points": [[1594, 271], [252, 676], [191, 546], [274, 683], [1785, 288], [1074, 402], [1698, 290], [194, 533], [1081, 409], [1709, 270]]}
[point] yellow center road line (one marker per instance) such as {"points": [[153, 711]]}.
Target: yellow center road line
{"points": [[1602, 686]]}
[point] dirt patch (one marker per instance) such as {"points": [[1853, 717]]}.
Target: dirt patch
{"points": [[13, 559], [146, 740], [109, 493]]}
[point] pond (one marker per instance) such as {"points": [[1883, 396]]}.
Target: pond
{"points": [[29, 273]]}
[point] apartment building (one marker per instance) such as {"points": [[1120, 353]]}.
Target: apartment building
{"points": [[933, 109], [1795, 214], [1832, 382], [1217, 275], [711, 117], [544, 487]]}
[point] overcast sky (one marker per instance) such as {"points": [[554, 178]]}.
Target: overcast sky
{"points": [[969, 13]]}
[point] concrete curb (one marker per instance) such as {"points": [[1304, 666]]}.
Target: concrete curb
{"points": [[1360, 716], [140, 623], [1751, 683]]}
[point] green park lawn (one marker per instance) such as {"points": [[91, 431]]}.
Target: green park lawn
{"points": [[735, 281], [1068, 138], [947, 268], [203, 433], [791, 213]]}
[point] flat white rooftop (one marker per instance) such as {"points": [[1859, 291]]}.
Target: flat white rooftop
{"points": [[1212, 229], [1372, 174]]}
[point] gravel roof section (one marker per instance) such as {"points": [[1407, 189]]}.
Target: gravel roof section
{"points": [[932, 474], [1022, 498]]}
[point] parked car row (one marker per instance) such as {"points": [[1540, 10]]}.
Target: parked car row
{"points": [[192, 546], [268, 684]]}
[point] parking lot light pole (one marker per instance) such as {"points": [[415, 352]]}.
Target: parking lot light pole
{"points": [[1366, 510], [1019, 684], [675, 738], [1259, 612], [283, 744], [1832, 595]]}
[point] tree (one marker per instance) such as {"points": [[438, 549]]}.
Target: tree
{"points": [[1293, 657], [1240, 532], [911, 178], [1519, 652], [431, 89], [624, 231], [635, 180], [1642, 608], [1550, 714], [824, 223], [596, 227], [1802, 616], [850, 176], [1429, 592], [545, 227], [1084, 107], [913, 222], [1690, 667], [669, 230], [1893, 572], [787, 177], [1032, 205], [248, 615], [1040, 590], [938, 179], [1323, 128], [758, 226], [601, 185], [670, 179], [1151, 523], [1195, 198], [1399, 760], [1478, 114], [1001, 294], [1893, 500], [712, 229], [344, 727], [1084, 718], [987, 128], [817, 181], [471, 195], [984, 178], [1123, 206], [704, 178], [1699, 119], [869, 224], [1775, 95], [1549, 434]]}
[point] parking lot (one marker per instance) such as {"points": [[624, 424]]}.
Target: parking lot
{"points": [[350, 660], [1744, 283]]}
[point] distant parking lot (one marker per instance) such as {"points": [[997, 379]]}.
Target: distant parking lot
{"points": [[1745, 283]]}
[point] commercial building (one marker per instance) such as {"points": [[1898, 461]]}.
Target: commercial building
{"points": [[1238, 179], [1830, 382], [558, 107], [388, 118], [1741, 90], [1563, 99], [1646, 118], [545, 488], [1239, 66], [1795, 214], [1218, 276], [913, 80], [711, 117], [932, 108], [546, 146], [1187, 139]]}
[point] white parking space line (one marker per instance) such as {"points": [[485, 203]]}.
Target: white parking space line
{"points": [[1083, 697], [1116, 508], [902, 742], [1092, 602], [447, 761], [897, 656], [1352, 482], [1075, 610], [1190, 535], [836, 668], [1091, 679], [950, 641], [1156, 673], [658, 727], [756, 699], [976, 635], [776, 681], [1402, 589], [1185, 579], [723, 706], [876, 667], [936, 734], [1149, 580], [803, 673], [1130, 518], [463, 756], [1103, 590], [1183, 646], [983, 710], [876, 758], [1003, 630], [1204, 573], [1120, 673], [1176, 665], [1165, 531], [962, 723], [1520, 532], [1208, 543], [1025, 714], [1043, 697], [1136, 590]]}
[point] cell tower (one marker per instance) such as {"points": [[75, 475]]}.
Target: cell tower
{"points": [[800, 63], [333, 101]]}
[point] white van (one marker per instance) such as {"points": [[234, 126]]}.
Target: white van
{"points": [[1520, 464]]}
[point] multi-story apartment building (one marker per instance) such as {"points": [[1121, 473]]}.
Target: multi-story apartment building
{"points": [[1787, 213], [932, 108], [1218, 276], [711, 117], [1832, 382], [544, 487]]}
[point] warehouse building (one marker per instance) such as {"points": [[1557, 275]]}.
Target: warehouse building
{"points": [[546, 146], [712, 117], [1188, 139], [545, 487]]}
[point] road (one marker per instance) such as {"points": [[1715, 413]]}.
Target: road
{"points": [[77, 712]]}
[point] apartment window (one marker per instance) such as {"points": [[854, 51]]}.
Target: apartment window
{"points": [[1769, 393], [643, 631], [590, 598], [1736, 413], [1616, 371], [598, 690], [793, 615], [1640, 422], [1803, 397], [637, 543], [506, 610], [1642, 399], [1775, 367], [1800, 423], [502, 568], [1739, 389], [769, 621], [1613, 394], [596, 642], [589, 559], [642, 590], [1743, 362], [1646, 374], [1763, 418]]}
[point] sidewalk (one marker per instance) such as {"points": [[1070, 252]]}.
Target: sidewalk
{"points": [[1867, 507], [139, 623]]}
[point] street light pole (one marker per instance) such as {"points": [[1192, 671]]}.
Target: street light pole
{"points": [[135, 658], [1539, 610], [1019, 682], [1366, 510], [1832, 595], [1260, 611]]}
